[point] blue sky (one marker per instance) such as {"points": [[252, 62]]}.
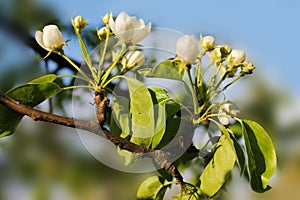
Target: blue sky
{"points": [[267, 30]]}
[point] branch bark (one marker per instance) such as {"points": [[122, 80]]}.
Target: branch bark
{"points": [[160, 157]]}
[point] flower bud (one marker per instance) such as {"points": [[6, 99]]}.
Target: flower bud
{"points": [[79, 23], [216, 56], [187, 49], [219, 53], [133, 59], [208, 43], [105, 18], [50, 39], [236, 57], [230, 109], [248, 68], [225, 50], [102, 33]]}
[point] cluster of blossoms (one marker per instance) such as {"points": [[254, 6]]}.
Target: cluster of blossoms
{"points": [[202, 70], [130, 30]]}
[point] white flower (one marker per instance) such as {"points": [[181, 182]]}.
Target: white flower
{"points": [[236, 57], [133, 59], [187, 49], [129, 28], [50, 39], [226, 110], [208, 43]]}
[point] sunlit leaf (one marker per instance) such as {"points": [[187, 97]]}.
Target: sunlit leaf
{"points": [[167, 69], [121, 116], [219, 168], [161, 97], [152, 188], [30, 94], [261, 155], [142, 113], [128, 156], [240, 155]]}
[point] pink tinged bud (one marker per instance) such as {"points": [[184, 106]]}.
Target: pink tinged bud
{"points": [[187, 49]]}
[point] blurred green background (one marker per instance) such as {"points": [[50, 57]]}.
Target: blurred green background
{"points": [[43, 161]]}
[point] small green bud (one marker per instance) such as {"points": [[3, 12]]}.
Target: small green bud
{"points": [[225, 50], [106, 17], [208, 43], [79, 23], [216, 56], [102, 33], [219, 53], [247, 68]]}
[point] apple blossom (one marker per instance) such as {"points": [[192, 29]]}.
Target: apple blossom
{"points": [[128, 28], [50, 39], [133, 59], [187, 49]]}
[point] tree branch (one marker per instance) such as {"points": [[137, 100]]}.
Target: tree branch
{"points": [[160, 157]]}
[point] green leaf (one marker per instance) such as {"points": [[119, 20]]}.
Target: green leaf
{"points": [[161, 97], [152, 188], [142, 113], [167, 69], [45, 79], [30, 94], [121, 116], [261, 155], [219, 168], [240, 155], [172, 128], [128, 156]]}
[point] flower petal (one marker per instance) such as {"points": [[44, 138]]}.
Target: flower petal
{"points": [[141, 33], [187, 48], [112, 24], [39, 39], [52, 37]]}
